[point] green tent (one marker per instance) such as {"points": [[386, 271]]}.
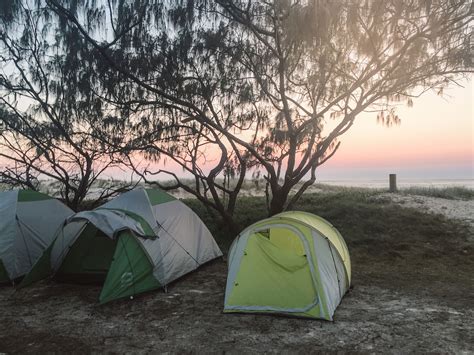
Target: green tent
{"points": [[293, 263], [29, 221], [139, 241]]}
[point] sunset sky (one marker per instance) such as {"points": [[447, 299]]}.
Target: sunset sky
{"points": [[435, 140]]}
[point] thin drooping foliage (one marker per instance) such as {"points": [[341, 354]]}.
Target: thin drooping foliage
{"points": [[223, 89], [53, 126], [320, 64]]}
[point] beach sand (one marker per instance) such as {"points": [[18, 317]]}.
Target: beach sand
{"points": [[411, 294], [453, 209]]}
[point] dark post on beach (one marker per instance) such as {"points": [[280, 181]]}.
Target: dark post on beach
{"points": [[393, 182]]}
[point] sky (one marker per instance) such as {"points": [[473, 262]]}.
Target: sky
{"points": [[435, 140]]}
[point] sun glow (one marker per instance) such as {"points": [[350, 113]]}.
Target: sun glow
{"points": [[435, 135]]}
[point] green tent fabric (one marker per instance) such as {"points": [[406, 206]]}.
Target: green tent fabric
{"points": [[294, 263], [3, 273], [88, 258], [29, 221], [137, 242], [131, 271]]}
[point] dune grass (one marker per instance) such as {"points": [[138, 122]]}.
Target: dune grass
{"points": [[358, 214], [451, 193]]}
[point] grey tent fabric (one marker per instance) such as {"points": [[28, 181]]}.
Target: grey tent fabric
{"points": [[177, 252], [8, 232], [29, 222], [136, 202], [156, 240], [110, 222]]}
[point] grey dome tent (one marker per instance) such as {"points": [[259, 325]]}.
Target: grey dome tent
{"points": [[29, 221], [142, 240]]}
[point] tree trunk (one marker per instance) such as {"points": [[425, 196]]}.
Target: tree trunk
{"points": [[278, 201], [228, 223]]}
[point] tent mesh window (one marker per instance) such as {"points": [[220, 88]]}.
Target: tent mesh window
{"points": [[88, 259], [286, 239]]}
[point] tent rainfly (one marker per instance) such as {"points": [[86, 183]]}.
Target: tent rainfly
{"points": [[142, 240], [294, 263], [29, 221]]}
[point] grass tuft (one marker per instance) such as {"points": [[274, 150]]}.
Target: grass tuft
{"points": [[358, 214], [450, 193]]}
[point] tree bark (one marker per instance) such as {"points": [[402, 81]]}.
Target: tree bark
{"points": [[278, 201]]}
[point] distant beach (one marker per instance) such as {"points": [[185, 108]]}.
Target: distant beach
{"points": [[249, 188], [402, 183]]}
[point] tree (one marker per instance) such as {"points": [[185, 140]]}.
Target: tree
{"points": [[162, 77], [349, 57], [54, 127], [269, 93]]}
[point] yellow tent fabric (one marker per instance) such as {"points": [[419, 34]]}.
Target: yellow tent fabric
{"points": [[293, 263], [326, 229]]}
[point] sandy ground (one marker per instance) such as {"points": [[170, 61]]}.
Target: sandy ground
{"points": [[413, 294], [453, 209], [456, 209]]}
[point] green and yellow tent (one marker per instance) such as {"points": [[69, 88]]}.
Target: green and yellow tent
{"points": [[294, 263]]}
